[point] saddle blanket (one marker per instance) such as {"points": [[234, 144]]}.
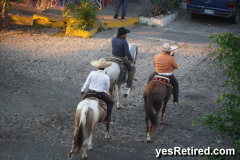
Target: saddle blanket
{"points": [[123, 69], [100, 102], [164, 80]]}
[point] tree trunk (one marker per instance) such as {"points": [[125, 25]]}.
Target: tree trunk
{"points": [[4, 15]]}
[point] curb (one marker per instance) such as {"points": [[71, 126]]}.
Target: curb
{"points": [[44, 20], [119, 23], [49, 20], [157, 21], [20, 20]]}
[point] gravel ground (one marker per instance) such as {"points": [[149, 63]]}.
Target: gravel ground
{"points": [[40, 81]]}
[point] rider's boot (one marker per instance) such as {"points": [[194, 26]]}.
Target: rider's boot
{"points": [[109, 113]]}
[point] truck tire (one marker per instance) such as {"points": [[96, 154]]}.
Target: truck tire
{"points": [[194, 15], [235, 18]]}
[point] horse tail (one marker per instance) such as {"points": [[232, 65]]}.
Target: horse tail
{"points": [[80, 132], [151, 114]]}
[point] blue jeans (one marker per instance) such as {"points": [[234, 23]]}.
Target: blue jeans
{"points": [[124, 7]]}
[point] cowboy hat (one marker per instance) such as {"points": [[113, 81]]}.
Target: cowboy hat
{"points": [[100, 63], [167, 48], [122, 31]]}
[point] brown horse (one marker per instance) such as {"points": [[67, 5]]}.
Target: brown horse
{"points": [[156, 96]]}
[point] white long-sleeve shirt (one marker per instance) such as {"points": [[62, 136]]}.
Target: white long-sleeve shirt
{"points": [[98, 81]]}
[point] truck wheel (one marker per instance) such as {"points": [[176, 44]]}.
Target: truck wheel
{"points": [[235, 18], [194, 15]]}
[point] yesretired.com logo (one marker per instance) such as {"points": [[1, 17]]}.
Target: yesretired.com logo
{"points": [[190, 151]]}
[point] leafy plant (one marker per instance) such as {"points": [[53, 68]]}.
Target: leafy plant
{"points": [[84, 15], [226, 121], [6, 5], [163, 6]]}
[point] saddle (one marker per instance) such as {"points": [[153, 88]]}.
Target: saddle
{"points": [[164, 80], [94, 96], [123, 69]]}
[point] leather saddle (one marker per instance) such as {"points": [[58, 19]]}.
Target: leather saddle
{"points": [[124, 72], [94, 96], [164, 80]]}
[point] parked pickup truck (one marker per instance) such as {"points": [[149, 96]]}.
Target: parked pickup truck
{"points": [[221, 8]]}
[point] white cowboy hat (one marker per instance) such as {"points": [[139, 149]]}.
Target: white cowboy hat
{"points": [[100, 63], [167, 48]]}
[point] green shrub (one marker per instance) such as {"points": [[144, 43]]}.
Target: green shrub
{"points": [[163, 6], [226, 121], [85, 15]]}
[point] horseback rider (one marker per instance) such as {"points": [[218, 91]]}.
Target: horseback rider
{"points": [[97, 81], [165, 64], [120, 50]]}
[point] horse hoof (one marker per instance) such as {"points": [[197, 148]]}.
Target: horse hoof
{"points": [[84, 156], [70, 155], [90, 148], [161, 122], [148, 139], [107, 136], [125, 95]]}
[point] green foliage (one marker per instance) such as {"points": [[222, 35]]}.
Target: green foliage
{"points": [[8, 4], [39, 26], [226, 121], [163, 6], [85, 15]]}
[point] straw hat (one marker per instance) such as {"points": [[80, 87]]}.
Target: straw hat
{"points": [[100, 63], [167, 48]]}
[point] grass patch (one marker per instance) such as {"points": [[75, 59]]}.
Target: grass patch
{"points": [[153, 25]]}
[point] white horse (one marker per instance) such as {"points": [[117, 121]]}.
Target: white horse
{"points": [[114, 70], [88, 114]]}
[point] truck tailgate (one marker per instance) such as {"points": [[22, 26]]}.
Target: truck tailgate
{"points": [[223, 4]]}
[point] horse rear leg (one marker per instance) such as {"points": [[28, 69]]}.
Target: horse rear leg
{"points": [[149, 133], [147, 127], [73, 143], [90, 142], [163, 110], [107, 130], [118, 97], [87, 144], [77, 119]]}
